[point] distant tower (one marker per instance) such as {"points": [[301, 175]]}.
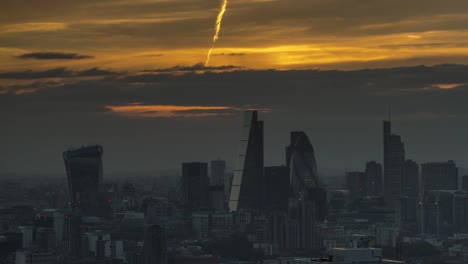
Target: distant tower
{"points": [[307, 199], [440, 175], [195, 185], [374, 181], [247, 184], [84, 171], [154, 247], [218, 172], [394, 160], [411, 179]]}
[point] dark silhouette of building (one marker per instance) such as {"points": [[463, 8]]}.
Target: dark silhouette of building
{"points": [[195, 186], [439, 176], [407, 214], [374, 181], [154, 247], [301, 163], [217, 197], [411, 183], [218, 172], [464, 185], [247, 189], [73, 235], [307, 199], [394, 159], [356, 184], [277, 187], [84, 171]]}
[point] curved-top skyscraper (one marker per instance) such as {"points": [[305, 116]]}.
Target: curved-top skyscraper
{"points": [[307, 200], [300, 159], [84, 171]]}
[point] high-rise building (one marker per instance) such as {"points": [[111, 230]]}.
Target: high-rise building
{"points": [[154, 247], [195, 185], [374, 181], [84, 171], [460, 208], [356, 184], [277, 187], [411, 183], [218, 172], [439, 176], [247, 187], [301, 163], [73, 235], [217, 198], [464, 184], [394, 159], [307, 199]]}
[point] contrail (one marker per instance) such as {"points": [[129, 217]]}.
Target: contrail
{"points": [[219, 19]]}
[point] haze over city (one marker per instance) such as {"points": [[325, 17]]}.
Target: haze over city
{"points": [[233, 132]]}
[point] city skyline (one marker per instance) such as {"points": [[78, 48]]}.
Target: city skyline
{"points": [[234, 132], [324, 170]]}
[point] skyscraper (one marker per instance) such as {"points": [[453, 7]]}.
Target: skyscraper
{"points": [[307, 200], [84, 171], [411, 183], [356, 184], [218, 172], [464, 182], [394, 159], [277, 187], [154, 247], [374, 178], [195, 185], [439, 176], [300, 160], [247, 187]]}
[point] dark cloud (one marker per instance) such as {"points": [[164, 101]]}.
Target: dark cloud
{"points": [[340, 110], [54, 56], [229, 54], [193, 68], [55, 73]]}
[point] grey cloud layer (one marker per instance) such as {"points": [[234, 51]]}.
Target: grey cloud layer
{"points": [[340, 110], [50, 55]]}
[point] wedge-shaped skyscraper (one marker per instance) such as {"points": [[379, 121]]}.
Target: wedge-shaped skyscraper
{"points": [[247, 184], [84, 171]]}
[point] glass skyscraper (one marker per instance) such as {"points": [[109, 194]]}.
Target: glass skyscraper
{"points": [[248, 181], [84, 172]]}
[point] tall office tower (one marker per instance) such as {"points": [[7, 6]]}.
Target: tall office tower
{"points": [[84, 171], [154, 247], [356, 184], [217, 198], [411, 183], [277, 187], [301, 163], [307, 199], [195, 185], [394, 159], [218, 172], [460, 209], [407, 214], [247, 183], [374, 181], [464, 184], [439, 176], [439, 212], [72, 235]]}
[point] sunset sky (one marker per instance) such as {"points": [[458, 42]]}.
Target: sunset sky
{"points": [[282, 34], [129, 74]]}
